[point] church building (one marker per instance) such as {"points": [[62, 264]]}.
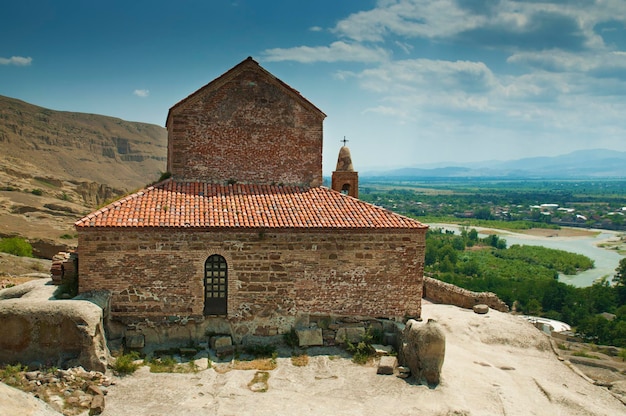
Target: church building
{"points": [[243, 238]]}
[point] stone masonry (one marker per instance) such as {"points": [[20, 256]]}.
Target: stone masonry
{"points": [[250, 117], [273, 278]]}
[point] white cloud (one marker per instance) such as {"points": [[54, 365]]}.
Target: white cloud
{"points": [[336, 52], [315, 29], [408, 18], [16, 60], [563, 61], [141, 93], [531, 75], [523, 22]]}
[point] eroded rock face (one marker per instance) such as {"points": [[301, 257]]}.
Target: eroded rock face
{"points": [[423, 350], [38, 330]]}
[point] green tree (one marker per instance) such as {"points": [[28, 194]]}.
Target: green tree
{"points": [[16, 246], [620, 273]]}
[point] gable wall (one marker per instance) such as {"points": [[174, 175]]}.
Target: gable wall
{"points": [[273, 277], [248, 130]]}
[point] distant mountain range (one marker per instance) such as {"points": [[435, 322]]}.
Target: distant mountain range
{"points": [[593, 163]]}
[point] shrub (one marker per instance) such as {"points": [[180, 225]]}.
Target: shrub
{"points": [[125, 364], [291, 338], [261, 351], [16, 246], [361, 352], [164, 176], [37, 192], [11, 374], [584, 354]]}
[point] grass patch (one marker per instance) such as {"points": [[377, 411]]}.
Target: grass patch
{"points": [[265, 364], [261, 351], [300, 360], [68, 236], [12, 375], [16, 246], [562, 346], [585, 354], [125, 364], [168, 364], [258, 384]]}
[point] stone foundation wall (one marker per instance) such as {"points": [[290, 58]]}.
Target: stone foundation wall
{"points": [[156, 276], [441, 292]]}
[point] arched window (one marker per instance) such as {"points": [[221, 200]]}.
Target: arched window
{"points": [[215, 285], [345, 189]]}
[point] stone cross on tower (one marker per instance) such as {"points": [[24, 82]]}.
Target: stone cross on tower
{"points": [[345, 179]]}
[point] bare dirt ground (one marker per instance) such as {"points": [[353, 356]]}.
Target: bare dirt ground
{"points": [[17, 270], [562, 232]]}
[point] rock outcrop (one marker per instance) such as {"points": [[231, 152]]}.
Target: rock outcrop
{"points": [[423, 350], [38, 330], [441, 292]]}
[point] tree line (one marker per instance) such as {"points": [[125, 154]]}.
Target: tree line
{"points": [[526, 278]]}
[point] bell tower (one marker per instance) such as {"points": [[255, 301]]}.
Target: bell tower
{"points": [[345, 179]]}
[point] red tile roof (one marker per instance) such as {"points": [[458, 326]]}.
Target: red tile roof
{"points": [[195, 204]]}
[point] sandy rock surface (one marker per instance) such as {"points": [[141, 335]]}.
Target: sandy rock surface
{"points": [[14, 402], [495, 364]]}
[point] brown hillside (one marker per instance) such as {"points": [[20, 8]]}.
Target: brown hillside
{"points": [[79, 147], [55, 166]]}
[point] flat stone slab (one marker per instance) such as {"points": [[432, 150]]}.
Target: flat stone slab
{"points": [[219, 341], [382, 349], [308, 337], [136, 341], [387, 365], [350, 334]]}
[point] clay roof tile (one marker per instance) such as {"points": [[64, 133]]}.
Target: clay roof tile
{"points": [[193, 204]]}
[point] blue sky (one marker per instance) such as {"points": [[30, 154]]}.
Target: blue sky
{"points": [[408, 82]]}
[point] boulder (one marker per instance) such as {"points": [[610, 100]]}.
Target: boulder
{"points": [[96, 406], [54, 332], [481, 309], [422, 350]]}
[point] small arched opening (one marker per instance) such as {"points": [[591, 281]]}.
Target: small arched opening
{"points": [[215, 285]]}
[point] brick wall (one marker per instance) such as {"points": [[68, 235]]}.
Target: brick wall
{"points": [[274, 277], [246, 128]]}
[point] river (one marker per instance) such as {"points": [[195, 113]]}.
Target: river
{"points": [[605, 261]]}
